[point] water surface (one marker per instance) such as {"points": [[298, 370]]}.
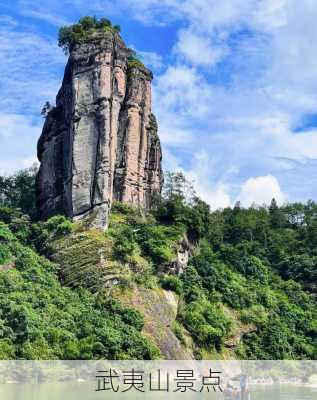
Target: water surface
{"points": [[86, 391]]}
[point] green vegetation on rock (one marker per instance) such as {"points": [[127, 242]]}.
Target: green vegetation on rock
{"points": [[70, 36], [134, 62], [249, 290], [41, 319]]}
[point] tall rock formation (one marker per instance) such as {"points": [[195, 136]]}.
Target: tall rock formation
{"points": [[100, 142]]}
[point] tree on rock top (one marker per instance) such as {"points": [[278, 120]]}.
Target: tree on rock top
{"points": [[69, 36]]}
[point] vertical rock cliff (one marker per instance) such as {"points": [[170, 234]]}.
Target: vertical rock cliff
{"points": [[100, 142]]}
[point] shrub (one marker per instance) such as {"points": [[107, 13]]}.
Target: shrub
{"points": [[70, 36], [5, 254], [5, 233], [134, 62], [192, 284], [207, 323], [124, 245], [123, 208], [254, 267], [7, 349], [42, 233], [157, 242], [178, 330], [256, 314], [7, 213], [171, 282], [128, 315], [146, 279], [59, 226], [40, 319]]}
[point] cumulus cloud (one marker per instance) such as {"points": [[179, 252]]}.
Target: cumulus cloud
{"points": [[199, 49], [49, 11], [18, 136], [216, 195], [261, 190], [13, 124], [241, 75], [29, 68], [183, 92], [246, 116], [152, 59], [200, 170]]}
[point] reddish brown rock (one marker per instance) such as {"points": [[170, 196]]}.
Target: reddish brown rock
{"points": [[100, 142]]}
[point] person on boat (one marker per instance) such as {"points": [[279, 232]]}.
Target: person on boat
{"points": [[243, 387]]}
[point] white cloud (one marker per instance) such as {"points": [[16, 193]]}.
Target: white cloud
{"points": [[173, 136], [18, 136], [10, 166], [240, 112], [49, 11], [200, 170], [246, 118], [180, 92], [12, 125], [7, 20], [216, 196], [261, 190], [56, 20], [30, 66], [29, 161], [199, 49], [152, 59]]}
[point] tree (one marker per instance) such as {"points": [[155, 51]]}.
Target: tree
{"points": [[104, 22], [18, 190], [88, 22], [69, 36], [277, 216], [177, 186]]}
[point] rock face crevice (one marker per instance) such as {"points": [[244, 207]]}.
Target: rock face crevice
{"points": [[100, 142]]}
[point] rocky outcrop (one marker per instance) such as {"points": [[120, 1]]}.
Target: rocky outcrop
{"points": [[159, 309], [186, 247], [100, 142]]}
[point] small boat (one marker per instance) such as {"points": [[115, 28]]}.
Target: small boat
{"points": [[235, 394], [237, 388]]}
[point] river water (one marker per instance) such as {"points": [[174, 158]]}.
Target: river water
{"points": [[86, 391]]}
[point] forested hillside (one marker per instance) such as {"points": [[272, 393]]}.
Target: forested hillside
{"points": [[248, 291]]}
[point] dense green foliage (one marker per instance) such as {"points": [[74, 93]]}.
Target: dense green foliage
{"points": [[69, 36], [139, 235], [18, 191], [134, 62], [252, 275], [257, 263], [40, 319]]}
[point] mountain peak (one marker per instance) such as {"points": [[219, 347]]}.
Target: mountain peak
{"points": [[98, 143]]}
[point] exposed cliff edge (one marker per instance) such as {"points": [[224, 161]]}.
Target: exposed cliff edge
{"points": [[100, 142]]}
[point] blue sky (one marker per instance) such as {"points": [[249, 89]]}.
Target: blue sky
{"points": [[235, 88]]}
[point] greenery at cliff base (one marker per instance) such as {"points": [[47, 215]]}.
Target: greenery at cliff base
{"points": [[251, 275]]}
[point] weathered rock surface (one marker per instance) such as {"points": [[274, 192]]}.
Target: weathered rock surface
{"points": [[186, 248], [159, 309], [100, 142]]}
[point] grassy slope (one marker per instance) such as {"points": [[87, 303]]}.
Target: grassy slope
{"points": [[87, 259], [41, 319], [217, 309], [234, 320]]}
